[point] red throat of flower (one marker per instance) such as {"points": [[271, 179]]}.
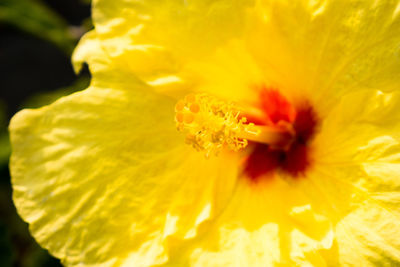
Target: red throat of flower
{"points": [[294, 158]]}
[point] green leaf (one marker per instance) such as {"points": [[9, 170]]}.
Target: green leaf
{"points": [[5, 149], [36, 18]]}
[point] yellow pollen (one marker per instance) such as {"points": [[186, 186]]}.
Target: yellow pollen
{"points": [[212, 124], [179, 117], [194, 108], [180, 106]]}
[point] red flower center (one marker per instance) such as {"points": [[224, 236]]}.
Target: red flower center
{"points": [[293, 159]]}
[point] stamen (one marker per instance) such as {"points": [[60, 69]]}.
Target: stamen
{"points": [[212, 124]]}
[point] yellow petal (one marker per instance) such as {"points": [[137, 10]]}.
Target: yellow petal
{"points": [[362, 132], [369, 236], [103, 69], [155, 39], [177, 25], [103, 177], [357, 169], [327, 48], [318, 48], [273, 225]]}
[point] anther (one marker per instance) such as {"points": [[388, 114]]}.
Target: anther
{"points": [[212, 124]]}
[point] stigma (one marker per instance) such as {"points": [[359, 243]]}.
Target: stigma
{"points": [[212, 125]]}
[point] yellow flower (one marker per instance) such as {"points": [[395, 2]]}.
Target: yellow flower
{"points": [[287, 149]]}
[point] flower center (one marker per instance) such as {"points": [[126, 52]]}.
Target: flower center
{"points": [[276, 138]]}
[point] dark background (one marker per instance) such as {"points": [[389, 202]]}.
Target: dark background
{"points": [[37, 38]]}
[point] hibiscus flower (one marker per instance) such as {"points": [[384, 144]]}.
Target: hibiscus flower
{"points": [[221, 133]]}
